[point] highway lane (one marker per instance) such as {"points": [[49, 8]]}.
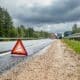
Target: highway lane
{"points": [[7, 61], [8, 45]]}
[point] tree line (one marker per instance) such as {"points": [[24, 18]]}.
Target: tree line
{"points": [[75, 29], [7, 29]]}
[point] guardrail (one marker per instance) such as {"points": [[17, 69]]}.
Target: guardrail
{"points": [[74, 36], [6, 39]]}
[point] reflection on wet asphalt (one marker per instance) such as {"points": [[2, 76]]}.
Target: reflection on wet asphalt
{"points": [[8, 61]]}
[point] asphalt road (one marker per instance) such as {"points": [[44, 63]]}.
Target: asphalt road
{"points": [[8, 61]]}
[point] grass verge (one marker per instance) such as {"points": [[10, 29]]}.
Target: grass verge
{"points": [[75, 45]]}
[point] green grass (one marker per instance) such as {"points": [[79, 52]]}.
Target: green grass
{"points": [[75, 45]]}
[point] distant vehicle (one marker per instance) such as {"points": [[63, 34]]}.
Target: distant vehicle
{"points": [[59, 35], [53, 36], [67, 33]]}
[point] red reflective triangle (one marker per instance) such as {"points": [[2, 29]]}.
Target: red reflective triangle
{"points": [[19, 48]]}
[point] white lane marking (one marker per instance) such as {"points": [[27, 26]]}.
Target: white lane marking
{"points": [[6, 53], [43, 50]]}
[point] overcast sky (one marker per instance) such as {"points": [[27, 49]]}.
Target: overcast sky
{"points": [[48, 15]]}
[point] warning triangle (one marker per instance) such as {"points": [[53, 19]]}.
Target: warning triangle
{"points": [[19, 48]]}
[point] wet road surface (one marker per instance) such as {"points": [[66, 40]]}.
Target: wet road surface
{"points": [[8, 61]]}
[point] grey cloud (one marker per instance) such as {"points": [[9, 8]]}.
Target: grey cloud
{"points": [[61, 11]]}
